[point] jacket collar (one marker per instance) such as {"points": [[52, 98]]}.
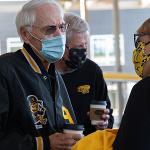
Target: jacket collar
{"points": [[33, 59]]}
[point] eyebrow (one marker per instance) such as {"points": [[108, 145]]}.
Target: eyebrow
{"points": [[49, 26]]}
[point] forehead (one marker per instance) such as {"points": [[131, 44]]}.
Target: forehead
{"points": [[79, 38], [48, 15]]}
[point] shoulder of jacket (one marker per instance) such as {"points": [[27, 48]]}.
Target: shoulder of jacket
{"points": [[143, 83], [8, 60], [8, 57]]}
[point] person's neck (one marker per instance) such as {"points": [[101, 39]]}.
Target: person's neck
{"points": [[45, 64], [62, 68]]}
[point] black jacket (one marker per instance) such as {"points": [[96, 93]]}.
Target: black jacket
{"points": [[134, 131], [84, 85], [32, 102]]}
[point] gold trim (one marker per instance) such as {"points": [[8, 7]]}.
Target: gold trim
{"points": [[39, 142], [31, 61]]}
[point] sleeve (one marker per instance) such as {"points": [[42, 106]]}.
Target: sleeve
{"points": [[12, 137], [134, 131], [101, 93], [68, 109]]}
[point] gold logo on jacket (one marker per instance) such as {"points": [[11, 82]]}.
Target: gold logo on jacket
{"points": [[84, 89], [38, 111]]}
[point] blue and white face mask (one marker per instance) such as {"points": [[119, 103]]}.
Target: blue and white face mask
{"points": [[52, 48]]}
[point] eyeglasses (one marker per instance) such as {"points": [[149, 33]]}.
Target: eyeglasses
{"points": [[52, 29], [137, 40], [48, 30]]}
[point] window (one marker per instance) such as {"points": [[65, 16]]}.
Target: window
{"points": [[13, 44], [102, 51], [113, 95], [0, 48], [145, 2]]}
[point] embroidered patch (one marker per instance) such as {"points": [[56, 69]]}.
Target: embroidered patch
{"points": [[84, 89], [38, 111]]}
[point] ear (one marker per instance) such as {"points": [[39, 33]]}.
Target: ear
{"points": [[25, 34]]}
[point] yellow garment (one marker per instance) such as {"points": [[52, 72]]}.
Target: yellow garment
{"points": [[99, 140]]}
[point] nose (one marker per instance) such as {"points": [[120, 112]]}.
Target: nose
{"points": [[58, 32]]}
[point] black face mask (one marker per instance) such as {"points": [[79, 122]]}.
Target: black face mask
{"points": [[77, 58]]}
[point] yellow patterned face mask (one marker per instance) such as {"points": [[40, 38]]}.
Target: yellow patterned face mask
{"points": [[140, 58]]}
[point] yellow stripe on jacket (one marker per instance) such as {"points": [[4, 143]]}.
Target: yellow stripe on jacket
{"points": [[31, 61], [39, 142]]}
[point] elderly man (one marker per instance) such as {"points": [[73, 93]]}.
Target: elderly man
{"points": [[83, 78], [34, 104]]}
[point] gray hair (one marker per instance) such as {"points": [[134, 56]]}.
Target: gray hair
{"points": [[76, 25], [27, 16]]}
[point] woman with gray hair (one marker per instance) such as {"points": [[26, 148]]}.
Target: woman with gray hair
{"points": [[34, 103], [83, 78]]}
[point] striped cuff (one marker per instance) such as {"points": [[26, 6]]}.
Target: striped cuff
{"points": [[39, 143], [42, 143]]}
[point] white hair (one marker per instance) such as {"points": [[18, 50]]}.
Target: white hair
{"points": [[27, 16], [75, 25]]}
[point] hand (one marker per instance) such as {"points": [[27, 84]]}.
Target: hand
{"points": [[104, 117], [61, 141]]}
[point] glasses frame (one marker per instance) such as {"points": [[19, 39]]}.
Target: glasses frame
{"points": [[139, 35], [53, 27]]}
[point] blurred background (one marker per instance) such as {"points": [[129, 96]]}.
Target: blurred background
{"points": [[112, 26]]}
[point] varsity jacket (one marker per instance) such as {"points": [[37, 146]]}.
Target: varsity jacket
{"points": [[33, 103], [84, 85]]}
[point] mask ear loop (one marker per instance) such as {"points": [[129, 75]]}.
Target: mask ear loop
{"points": [[38, 52], [36, 39], [34, 36]]}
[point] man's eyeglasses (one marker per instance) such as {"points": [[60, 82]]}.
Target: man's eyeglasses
{"points": [[137, 39], [52, 29], [48, 30]]}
